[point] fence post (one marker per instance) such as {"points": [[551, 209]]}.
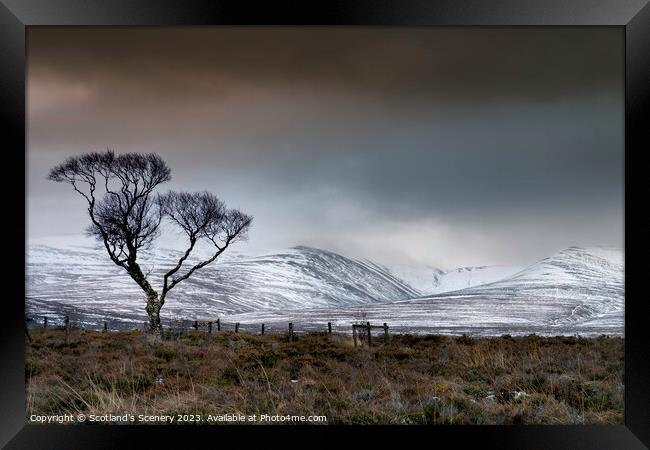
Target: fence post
{"points": [[218, 324], [196, 325], [209, 327], [237, 327], [329, 327], [369, 335], [67, 330], [105, 327], [386, 331], [290, 331], [354, 334], [45, 322], [262, 329]]}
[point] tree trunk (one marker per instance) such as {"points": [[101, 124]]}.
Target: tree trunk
{"points": [[154, 301], [153, 310]]}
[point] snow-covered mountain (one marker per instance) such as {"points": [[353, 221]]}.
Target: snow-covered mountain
{"points": [[577, 290], [431, 280], [83, 278], [420, 277], [467, 277], [582, 284]]}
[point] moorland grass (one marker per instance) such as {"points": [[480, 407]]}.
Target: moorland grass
{"points": [[409, 380]]}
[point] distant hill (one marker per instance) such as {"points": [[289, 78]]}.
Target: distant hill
{"points": [[578, 290], [84, 279]]}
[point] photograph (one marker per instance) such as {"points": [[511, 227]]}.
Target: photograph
{"points": [[312, 225]]}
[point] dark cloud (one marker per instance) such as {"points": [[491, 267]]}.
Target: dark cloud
{"points": [[332, 135], [185, 64]]}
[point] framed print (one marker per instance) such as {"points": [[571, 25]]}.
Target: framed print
{"points": [[374, 221]]}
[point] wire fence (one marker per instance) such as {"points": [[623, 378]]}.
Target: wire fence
{"points": [[177, 327]]}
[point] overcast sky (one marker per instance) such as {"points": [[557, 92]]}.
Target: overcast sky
{"points": [[447, 147]]}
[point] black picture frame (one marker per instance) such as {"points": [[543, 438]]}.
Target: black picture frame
{"points": [[16, 15]]}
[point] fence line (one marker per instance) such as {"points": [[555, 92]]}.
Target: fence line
{"points": [[180, 326]]}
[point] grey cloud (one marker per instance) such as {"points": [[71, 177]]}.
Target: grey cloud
{"points": [[508, 138], [450, 64]]}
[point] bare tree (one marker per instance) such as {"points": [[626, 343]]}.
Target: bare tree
{"points": [[126, 215]]}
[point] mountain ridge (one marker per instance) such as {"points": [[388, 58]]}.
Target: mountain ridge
{"points": [[577, 290], [576, 287], [292, 278]]}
